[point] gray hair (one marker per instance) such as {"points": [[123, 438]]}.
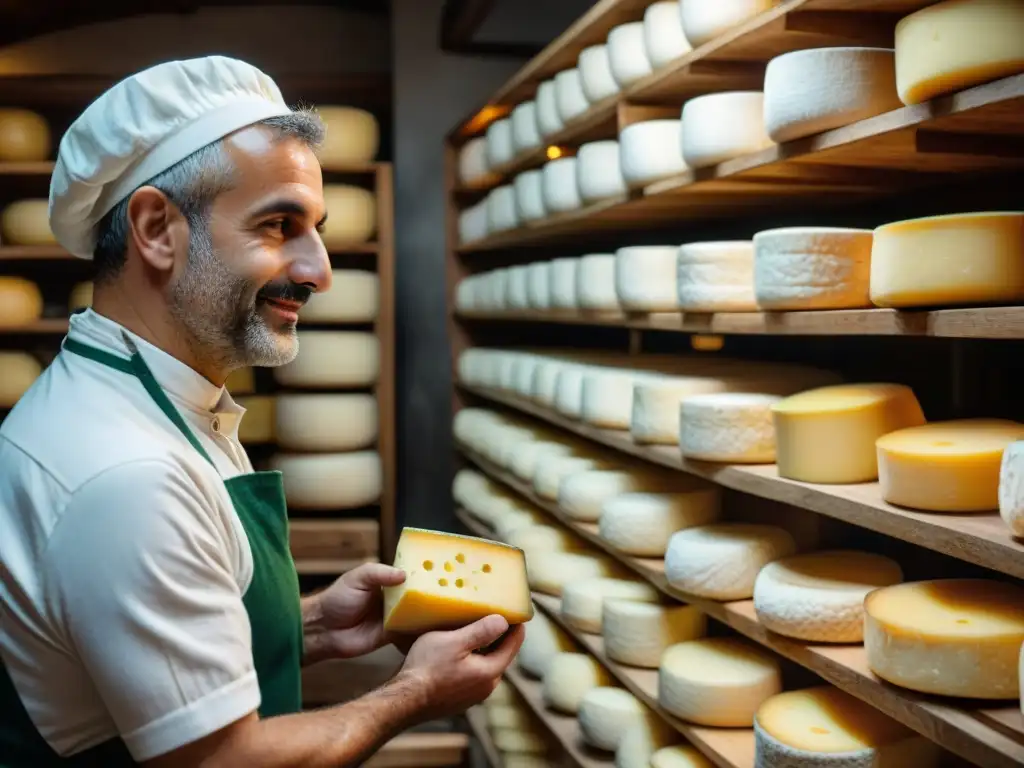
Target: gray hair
{"points": [[192, 185]]}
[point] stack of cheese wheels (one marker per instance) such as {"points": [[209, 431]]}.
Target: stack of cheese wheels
{"points": [[258, 425], [818, 89], [720, 682], [606, 714], [720, 126], [627, 53], [953, 637], [956, 44], [568, 678], [474, 170], [704, 20], [18, 371], [514, 729], [641, 740], [21, 302], [598, 171], [582, 601], [968, 258], [351, 216], [326, 421], [558, 184], [24, 136], [330, 481], [810, 424], [641, 524], [651, 150], [596, 73], [332, 359], [354, 297], [664, 37], [823, 726], [716, 277], [570, 100], [81, 296], [543, 642], [638, 633], [27, 222], [352, 138]]}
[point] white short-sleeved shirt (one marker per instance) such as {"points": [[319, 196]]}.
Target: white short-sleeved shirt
{"points": [[122, 561]]}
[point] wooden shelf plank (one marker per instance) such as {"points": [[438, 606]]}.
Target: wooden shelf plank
{"points": [[421, 750], [40, 168], [982, 539], [335, 566], [47, 325], [33, 253], [477, 719], [313, 539]]}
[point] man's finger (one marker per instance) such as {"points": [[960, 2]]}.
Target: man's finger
{"points": [[480, 633], [373, 576], [503, 655]]}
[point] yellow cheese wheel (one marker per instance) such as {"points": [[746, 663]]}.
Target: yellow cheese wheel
{"points": [[332, 359], [81, 296], [21, 303], [241, 382], [326, 422], [257, 425], [946, 466], [354, 297], [17, 372], [27, 222], [353, 137], [24, 136], [351, 215], [330, 481]]}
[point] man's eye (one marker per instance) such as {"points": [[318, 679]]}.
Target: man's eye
{"points": [[275, 225]]}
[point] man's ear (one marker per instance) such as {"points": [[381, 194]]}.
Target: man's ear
{"points": [[157, 228]]}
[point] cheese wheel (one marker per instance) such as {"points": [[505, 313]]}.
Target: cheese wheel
{"points": [[627, 53], [598, 172], [720, 126], [352, 137], [582, 600], [561, 193], [466, 483], [354, 297], [241, 381], [516, 296], [257, 424], [606, 398], [332, 359], [641, 740], [959, 259], [519, 742], [502, 214], [716, 277], [18, 371], [24, 136], [679, 757], [526, 455], [551, 571], [543, 642], [27, 222], [596, 73], [645, 278], [664, 38], [569, 677], [473, 223], [818, 89], [21, 302], [651, 150], [503, 694], [543, 538], [729, 427], [948, 466], [952, 637], [548, 120], [563, 283], [1011, 487], [570, 100], [811, 425], [528, 188], [582, 495], [538, 288], [656, 402], [525, 133], [500, 147], [718, 681], [812, 268], [704, 20], [512, 716], [605, 714], [550, 474], [824, 727], [81, 296], [641, 523], [954, 45], [595, 283], [326, 422], [638, 633], [330, 481], [473, 168], [351, 216], [569, 391], [819, 597], [721, 561]]}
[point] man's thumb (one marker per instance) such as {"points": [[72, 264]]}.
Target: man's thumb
{"points": [[482, 633]]}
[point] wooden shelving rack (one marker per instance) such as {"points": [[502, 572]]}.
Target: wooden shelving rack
{"points": [[946, 156]]}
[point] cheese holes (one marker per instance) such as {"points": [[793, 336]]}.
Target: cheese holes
{"points": [[428, 565], [443, 582], [486, 568], [460, 583], [448, 567], [460, 558]]}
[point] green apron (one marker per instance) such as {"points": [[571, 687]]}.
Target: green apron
{"points": [[271, 601]]}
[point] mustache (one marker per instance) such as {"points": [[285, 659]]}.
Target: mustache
{"points": [[285, 292]]}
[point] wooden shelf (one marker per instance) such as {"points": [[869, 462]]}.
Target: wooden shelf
{"points": [[477, 719], [45, 326], [330, 539], [982, 539], [40, 168], [335, 566], [33, 253], [421, 750]]}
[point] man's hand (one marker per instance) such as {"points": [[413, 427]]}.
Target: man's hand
{"points": [[346, 619]]}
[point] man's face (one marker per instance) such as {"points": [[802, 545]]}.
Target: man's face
{"points": [[255, 265]]}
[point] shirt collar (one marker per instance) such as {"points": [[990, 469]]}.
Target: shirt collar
{"points": [[178, 380]]}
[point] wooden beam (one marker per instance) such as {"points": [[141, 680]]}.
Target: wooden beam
{"points": [[460, 20]]}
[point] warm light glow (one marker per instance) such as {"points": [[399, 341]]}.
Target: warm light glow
{"points": [[703, 343], [478, 122], [554, 152]]}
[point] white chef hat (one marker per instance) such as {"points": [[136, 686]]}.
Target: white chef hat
{"points": [[144, 125]]}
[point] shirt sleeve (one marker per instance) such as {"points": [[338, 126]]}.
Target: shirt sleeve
{"points": [[141, 574]]}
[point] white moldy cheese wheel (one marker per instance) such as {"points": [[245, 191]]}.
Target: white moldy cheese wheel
{"points": [[502, 213], [637, 633], [543, 642], [466, 483], [538, 289], [598, 171], [569, 96], [946, 466], [720, 126], [679, 757], [351, 215], [516, 297], [529, 196], [651, 150], [729, 427], [954, 45], [664, 38], [354, 297], [1011, 487], [330, 480], [582, 600], [21, 302], [527, 454], [645, 278], [582, 495], [810, 426], [721, 561], [544, 538], [824, 727], [473, 168], [719, 681], [641, 740], [642, 523], [326, 422], [563, 283], [605, 715], [967, 258], [500, 148], [596, 73], [473, 223], [558, 182], [818, 89], [548, 120], [607, 396], [952, 637], [716, 277], [595, 282], [627, 53], [18, 371], [26, 222], [257, 425], [569, 677], [547, 480], [525, 132], [812, 268], [332, 359], [704, 20], [24, 136], [551, 571], [656, 401], [352, 138], [819, 597]]}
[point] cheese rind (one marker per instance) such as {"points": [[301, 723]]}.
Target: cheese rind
{"points": [[679, 757], [664, 38], [330, 481], [328, 359], [730, 427], [547, 481], [595, 282], [598, 171], [811, 425], [473, 167], [454, 580], [502, 213], [21, 302], [948, 466], [561, 192], [24, 136], [1011, 487], [27, 222], [605, 714], [543, 642], [651, 150], [596, 73], [539, 285], [18, 371], [551, 571], [582, 495], [952, 637], [351, 216], [570, 99], [548, 119], [716, 277], [638, 633], [569, 677], [704, 21], [525, 132], [352, 137], [641, 523], [627, 53], [326, 422], [819, 597], [500, 148], [645, 278], [720, 126], [957, 44], [582, 601], [529, 194], [354, 297], [563, 283], [641, 740]]}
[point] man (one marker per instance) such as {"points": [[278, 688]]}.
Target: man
{"points": [[150, 607]]}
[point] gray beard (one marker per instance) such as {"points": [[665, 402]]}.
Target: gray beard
{"points": [[218, 311]]}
